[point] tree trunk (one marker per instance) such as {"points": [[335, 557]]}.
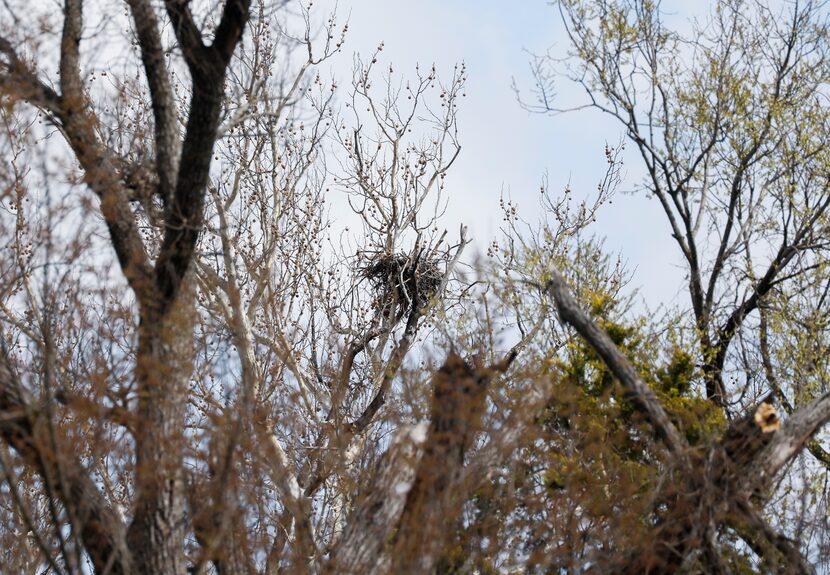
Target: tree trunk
{"points": [[164, 366]]}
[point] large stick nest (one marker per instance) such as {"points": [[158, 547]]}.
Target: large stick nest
{"points": [[403, 281]]}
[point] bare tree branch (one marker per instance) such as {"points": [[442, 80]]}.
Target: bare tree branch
{"points": [[22, 427], [641, 395], [185, 215], [167, 144], [790, 440]]}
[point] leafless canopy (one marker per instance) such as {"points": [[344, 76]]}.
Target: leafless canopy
{"points": [[203, 371]]}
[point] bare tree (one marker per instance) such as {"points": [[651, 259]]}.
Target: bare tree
{"points": [[157, 275], [235, 385], [254, 347]]}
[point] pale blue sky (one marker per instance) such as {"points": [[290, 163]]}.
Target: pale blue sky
{"points": [[504, 148]]}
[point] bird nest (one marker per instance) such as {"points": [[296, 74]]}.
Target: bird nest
{"points": [[402, 281]]}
